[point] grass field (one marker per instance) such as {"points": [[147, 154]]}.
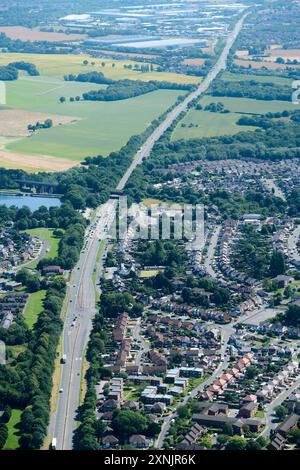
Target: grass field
{"points": [[98, 128], [258, 78], [13, 433], [216, 124], [57, 65], [34, 307], [45, 234]]}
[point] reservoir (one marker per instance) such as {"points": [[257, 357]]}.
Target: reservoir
{"points": [[33, 202]]}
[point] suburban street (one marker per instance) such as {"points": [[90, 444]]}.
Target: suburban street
{"points": [[270, 408], [226, 332], [81, 291], [292, 243], [211, 252]]}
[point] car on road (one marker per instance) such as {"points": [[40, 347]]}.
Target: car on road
{"points": [[61, 390]]}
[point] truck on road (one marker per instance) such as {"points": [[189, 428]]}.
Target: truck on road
{"points": [[53, 443]]}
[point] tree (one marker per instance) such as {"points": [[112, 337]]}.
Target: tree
{"points": [[292, 316], [183, 412], [206, 441], [251, 372], [6, 414], [3, 435], [100, 428], [227, 429], [62, 99], [236, 443], [281, 412], [127, 422], [277, 264]]}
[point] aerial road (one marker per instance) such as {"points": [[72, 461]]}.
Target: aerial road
{"points": [[81, 291]]}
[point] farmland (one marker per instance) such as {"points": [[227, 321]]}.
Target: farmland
{"points": [[258, 78], [267, 64], [27, 34], [98, 127], [80, 128], [215, 124], [58, 65]]}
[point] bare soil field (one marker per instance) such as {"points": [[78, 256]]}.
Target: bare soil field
{"points": [[33, 163], [14, 122], [194, 62], [290, 54], [27, 34], [242, 53]]}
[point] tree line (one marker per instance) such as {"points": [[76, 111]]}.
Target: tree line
{"points": [[251, 89], [10, 72]]}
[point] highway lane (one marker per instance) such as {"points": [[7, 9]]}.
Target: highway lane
{"points": [[78, 323], [220, 65], [82, 292]]}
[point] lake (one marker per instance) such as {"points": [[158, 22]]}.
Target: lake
{"points": [[30, 201]]}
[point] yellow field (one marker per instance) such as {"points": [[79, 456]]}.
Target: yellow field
{"points": [[57, 65], [149, 273]]}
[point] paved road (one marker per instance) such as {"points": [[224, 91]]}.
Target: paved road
{"points": [[270, 408], [271, 184], [146, 148], [143, 343], [226, 332], [292, 243], [82, 292], [78, 323], [211, 252]]}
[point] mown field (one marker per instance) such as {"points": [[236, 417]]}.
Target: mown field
{"points": [[34, 307], [216, 124], [13, 432]]}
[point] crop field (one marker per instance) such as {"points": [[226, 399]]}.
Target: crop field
{"points": [[80, 128], [258, 78], [98, 127], [27, 34], [268, 64], [58, 65], [216, 124]]}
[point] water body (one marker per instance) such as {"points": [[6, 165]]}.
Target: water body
{"points": [[33, 202]]}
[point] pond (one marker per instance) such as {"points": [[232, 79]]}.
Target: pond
{"points": [[33, 202]]}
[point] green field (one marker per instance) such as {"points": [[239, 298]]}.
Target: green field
{"points": [[100, 127], [34, 307], [217, 124], [45, 234], [258, 78], [13, 433]]}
